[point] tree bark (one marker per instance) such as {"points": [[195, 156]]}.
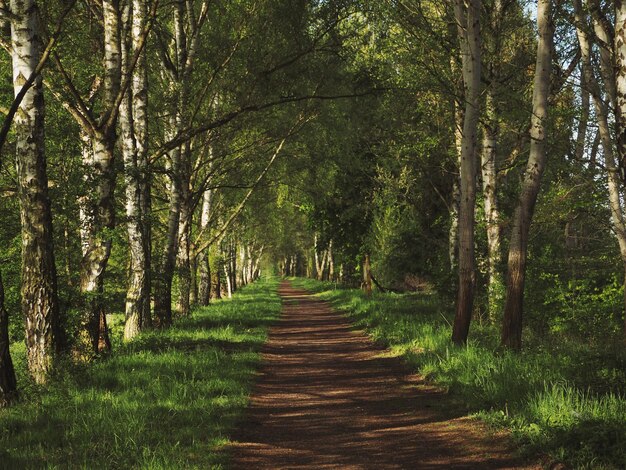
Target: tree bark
{"points": [[97, 219], [367, 276], [40, 306], [163, 278], [204, 290], [620, 83], [518, 247], [183, 262], [469, 35], [8, 382], [492, 216], [133, 120]]}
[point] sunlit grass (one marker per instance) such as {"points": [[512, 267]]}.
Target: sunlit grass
{"points": [[167, 400], [565, 400]]}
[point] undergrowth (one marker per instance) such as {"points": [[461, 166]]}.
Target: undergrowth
{"points": [[166, 400], [563, 399]]}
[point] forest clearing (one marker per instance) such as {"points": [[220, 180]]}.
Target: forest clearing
{"points": [[395, 226]]}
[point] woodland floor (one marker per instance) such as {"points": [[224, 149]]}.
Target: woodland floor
{"points": [[328, 397]]}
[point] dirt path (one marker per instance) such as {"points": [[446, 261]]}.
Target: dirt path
{"points": [[327, 398]]}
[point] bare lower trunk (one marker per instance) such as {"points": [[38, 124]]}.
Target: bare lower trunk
{"points": [[40, 306], [518, 247], [331, 262], [229, 285], [97, 220], [204, 289], [367, 276], [193, 291], [218, 280], [495, 288], [469, 35], [183, 262], [164, 275], [8, 383]]}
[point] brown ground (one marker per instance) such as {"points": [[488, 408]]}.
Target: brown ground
{"points": [[327, 397]]}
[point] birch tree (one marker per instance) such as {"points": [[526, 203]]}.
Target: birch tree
{"points": [[467, 15], [518, 246], [134, 125], [98, 125], [40, 306]]}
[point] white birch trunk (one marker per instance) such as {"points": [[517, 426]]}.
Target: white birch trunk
{"points": [[40, 306], [133, 120], [469, 36]]}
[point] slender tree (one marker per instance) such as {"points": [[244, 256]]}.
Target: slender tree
{"points": [[468, 21], [518, 246], [134, 125]]}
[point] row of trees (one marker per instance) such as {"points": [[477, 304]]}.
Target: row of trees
{"points": [[403, 144], [143, 132], [497, 113]]}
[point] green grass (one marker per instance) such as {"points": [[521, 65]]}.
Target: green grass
{"points": [[564, 400], [167, 400]]}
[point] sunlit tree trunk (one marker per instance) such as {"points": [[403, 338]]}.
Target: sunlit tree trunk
{"points": [[469, 36], [518, 247], [133, 120], [581, 131], [492, 215], [367, 275], [453, 233], [163, 277], [97, 219], [183, 263], [8, 383], [40, 306], [204, 289], [620, 82]]}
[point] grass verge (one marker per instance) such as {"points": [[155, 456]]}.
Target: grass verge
{"points": [[166, 400], [563, 400]]}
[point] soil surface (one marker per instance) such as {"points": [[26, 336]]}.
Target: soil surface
{"points": [[328, 397]]}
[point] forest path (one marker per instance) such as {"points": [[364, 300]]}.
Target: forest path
{"points": [[328, 397]]}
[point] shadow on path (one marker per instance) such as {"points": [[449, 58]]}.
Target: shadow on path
{"points": [[326, 397]]}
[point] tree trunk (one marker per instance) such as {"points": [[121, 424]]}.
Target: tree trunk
{"points": [[620, 84], [193, 291], [133, 120], [40, 306], [203, 256], [469, 35], [229, 279], [97, 220], [204, 288], [367, 276], [183, 263], [8, 382], [453, 233], [331, 262], [218, 279], [163, 278], [492, 215], [518, 247]]}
